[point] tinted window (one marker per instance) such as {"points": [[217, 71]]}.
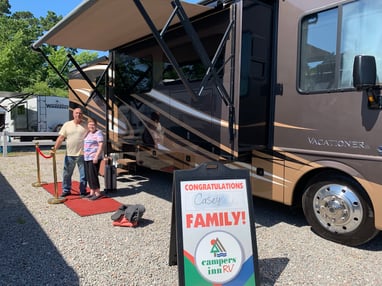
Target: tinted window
{"points": [[327, 53], [132, 74]]}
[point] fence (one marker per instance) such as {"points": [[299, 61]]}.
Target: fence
{"points": [[7, 139]]}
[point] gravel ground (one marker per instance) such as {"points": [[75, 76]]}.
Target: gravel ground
{"points": [[45, 244]]}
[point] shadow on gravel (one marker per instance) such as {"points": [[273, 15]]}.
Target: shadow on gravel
{"points": [[156, 183], [275, 265], [28, 257], [268, 213], [373, 245]]}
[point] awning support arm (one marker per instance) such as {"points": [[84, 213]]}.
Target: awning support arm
{"points": [[58, 73], [162, 44], [16, 103], [219, 50], [199, 48], [91, 84]]}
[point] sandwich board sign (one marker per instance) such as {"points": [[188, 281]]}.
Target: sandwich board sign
{"points": [[213, 238]]}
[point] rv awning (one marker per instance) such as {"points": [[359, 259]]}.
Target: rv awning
{"points": [[9, 100], [106, 24]]}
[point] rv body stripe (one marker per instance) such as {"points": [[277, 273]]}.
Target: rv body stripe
{"points": [[283, 125], [181, 123], [187, 109], [268, 177], [170, 135], [329, 154]]}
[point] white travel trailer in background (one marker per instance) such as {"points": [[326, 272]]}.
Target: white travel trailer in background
{"points": [[32, 113]]}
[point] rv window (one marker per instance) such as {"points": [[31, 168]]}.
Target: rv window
{"points": [[327, 53], [19, 110], [2, 121], [192, 71], [318, 50], [246, 49], [357, 39], [132, 74]]}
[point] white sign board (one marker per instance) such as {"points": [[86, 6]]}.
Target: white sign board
{"points": [[215, 232]]}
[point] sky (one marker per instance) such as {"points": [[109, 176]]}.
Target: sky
{"points": [[40, 8]]}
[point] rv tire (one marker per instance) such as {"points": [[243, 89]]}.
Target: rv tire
{"points": [[338, 209]]}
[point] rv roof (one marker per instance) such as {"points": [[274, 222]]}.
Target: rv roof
{"points": [[104, 25], [11, 94]]}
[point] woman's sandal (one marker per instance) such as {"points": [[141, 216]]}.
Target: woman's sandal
{"points": [[95, 197]]}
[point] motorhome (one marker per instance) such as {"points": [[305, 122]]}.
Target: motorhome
{"points": [[286, 89], [23, 112]]}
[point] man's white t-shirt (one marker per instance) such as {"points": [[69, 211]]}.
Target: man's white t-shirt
{"points": [[74, 134]]}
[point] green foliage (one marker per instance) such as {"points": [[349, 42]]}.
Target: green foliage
{"points": [[42, 88], [5, 7], [85, 57], [21, 68]]}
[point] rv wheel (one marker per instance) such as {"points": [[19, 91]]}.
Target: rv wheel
{"points": [[338, 209]]}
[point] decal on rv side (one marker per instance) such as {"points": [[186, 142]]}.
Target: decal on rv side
{"points": [[338, 143], [57, 105]]}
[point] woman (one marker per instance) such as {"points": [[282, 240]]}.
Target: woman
{"points": [[93, 153], [153, 134]]}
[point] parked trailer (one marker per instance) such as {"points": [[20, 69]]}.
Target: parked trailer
{"points": [[32, 113], [286, 89]]}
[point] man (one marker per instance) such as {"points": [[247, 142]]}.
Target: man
{"points": [[74, 133]]}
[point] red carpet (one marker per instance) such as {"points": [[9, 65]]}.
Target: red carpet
{"points": [[84, 207]]}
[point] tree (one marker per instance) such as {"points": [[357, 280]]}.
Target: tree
{"points": [[5, 7], [21, 68], [17, 61]]}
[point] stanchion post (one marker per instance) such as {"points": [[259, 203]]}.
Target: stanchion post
{"points": [[56, 199], [38, 183]]}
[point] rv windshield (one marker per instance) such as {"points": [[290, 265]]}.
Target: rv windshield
{"points": [[327, 53]]}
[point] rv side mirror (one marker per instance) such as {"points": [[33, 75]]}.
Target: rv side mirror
{"points": [[364, 72]]}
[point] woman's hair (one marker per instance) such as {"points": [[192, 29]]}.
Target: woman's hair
{"points": [[90, 119], [155, 116]]}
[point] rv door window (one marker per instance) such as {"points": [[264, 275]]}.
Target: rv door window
{"points": [[318, 51]]}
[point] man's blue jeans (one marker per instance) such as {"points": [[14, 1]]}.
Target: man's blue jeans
{"points": [[69, 164]]}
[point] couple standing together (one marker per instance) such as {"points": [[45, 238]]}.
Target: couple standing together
{"points": [[84, 148]]}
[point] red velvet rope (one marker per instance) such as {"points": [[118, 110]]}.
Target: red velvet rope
{"points": [[42, 154]]}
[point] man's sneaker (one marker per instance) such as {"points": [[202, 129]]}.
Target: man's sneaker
{"points": [[85, 195], [65, 194]]}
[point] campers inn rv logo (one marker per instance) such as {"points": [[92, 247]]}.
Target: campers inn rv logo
{"points": [[218, 257]]}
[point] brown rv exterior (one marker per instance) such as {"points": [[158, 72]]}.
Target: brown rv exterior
{"points": [[257, 84]]}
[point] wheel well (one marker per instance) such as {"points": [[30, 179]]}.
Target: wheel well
{"points": [[57, 128], [304, 180]]}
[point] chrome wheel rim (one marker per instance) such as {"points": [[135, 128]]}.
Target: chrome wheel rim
{"points": [[338, 208]]}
